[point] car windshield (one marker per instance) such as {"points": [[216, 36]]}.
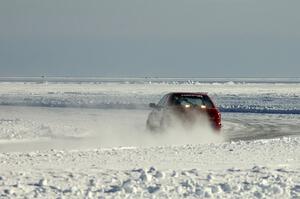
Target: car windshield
{"points": [[193, 100]]}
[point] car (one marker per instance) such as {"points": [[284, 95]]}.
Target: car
{"points": [[184, 106]]}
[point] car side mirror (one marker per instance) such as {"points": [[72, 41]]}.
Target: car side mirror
{"points": [[153, 105]]}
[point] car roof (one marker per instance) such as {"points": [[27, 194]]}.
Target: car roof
{"points": [[188, 93]]}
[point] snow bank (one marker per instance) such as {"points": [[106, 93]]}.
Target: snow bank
{"points": [[245, 169]]}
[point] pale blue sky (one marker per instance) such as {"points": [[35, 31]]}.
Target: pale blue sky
{"points": [[138, 38]]}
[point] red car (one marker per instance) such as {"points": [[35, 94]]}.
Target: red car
{"points": [[185, 107]]}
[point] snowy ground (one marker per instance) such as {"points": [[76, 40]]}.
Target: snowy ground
{"points": [[86, 138]]}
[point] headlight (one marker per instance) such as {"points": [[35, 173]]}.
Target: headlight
{"points": [[187, 106]]}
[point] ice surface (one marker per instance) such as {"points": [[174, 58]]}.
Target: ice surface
{"points": [[110, 112], [230, 97]]}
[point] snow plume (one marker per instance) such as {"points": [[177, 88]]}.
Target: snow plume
{"points": [[131, 130], [35, 128], [196, 129]]}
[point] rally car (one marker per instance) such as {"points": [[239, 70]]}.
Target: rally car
{"points": [[185, 107]]}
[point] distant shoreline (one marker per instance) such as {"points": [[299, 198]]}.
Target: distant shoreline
{"points": [[188, 80]]}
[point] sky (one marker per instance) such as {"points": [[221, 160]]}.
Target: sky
{"points": [[150, 38]]}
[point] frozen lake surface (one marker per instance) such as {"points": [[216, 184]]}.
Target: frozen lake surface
{"points": [[91, 134]]}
